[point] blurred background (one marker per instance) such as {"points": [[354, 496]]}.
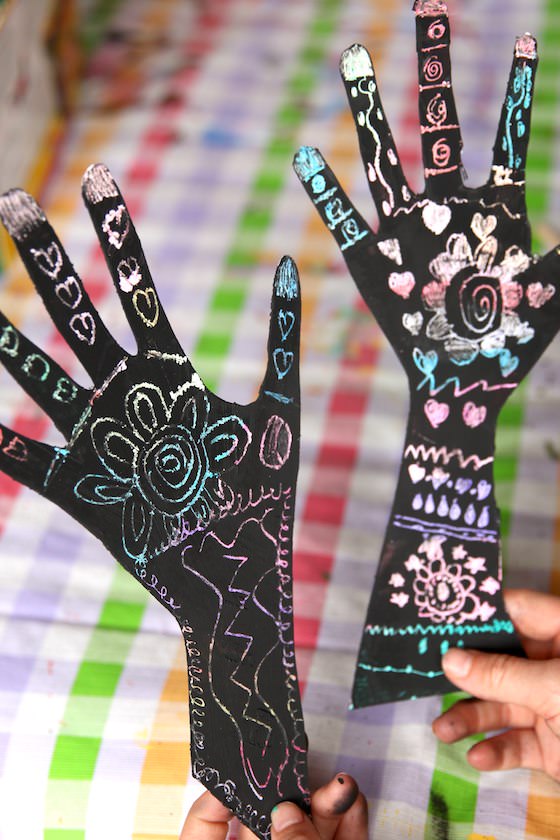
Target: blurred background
{"points": [[197, 107]]}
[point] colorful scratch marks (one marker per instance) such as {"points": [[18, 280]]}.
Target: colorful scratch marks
{"points": [[469, 310], [191, 494]]}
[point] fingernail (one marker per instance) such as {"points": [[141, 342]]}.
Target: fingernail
{"points": [[449, 729], [345, 793], [284, 815], [457, 663]]}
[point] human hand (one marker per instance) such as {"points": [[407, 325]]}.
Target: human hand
{"points": [[518, 695], [338, 811], [451, 280], [193, 495]]}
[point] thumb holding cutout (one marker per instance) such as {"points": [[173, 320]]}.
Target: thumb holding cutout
{"points": [[508, 679]]}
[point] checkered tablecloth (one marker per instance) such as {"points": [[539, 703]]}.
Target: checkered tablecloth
{"points": [[197, 108]]}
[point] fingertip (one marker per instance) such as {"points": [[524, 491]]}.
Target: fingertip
{"points": [[457, 664], [484, 756], [209, 808], [526, 46], [345, 792], [20, 214], [207, 819], [98, 183], [286, 280], [355, 63], [448, 729], [284, 815], [308, 161]]}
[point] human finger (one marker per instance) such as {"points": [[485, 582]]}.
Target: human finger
{"points": [[536, 615], [439, 124], [354, 822], [331, 802], [512, 138], [290, 823], [207, 819], [508, 679], [386, 180], [508, 751], [469, 717]]}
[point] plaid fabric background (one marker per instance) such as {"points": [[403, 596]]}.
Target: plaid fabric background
{"points": [[197, 108]]}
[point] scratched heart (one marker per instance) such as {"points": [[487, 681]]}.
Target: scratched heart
{"points": [[83, 326], [436, 412], [537, 294], [129, 274], [286, 321], [482, 226], [146, 305], [283, 361], [425, 362], [16, 449], [48, 259], [116, 225], [416, 473], [436, 217], [402, 283], [9, 341], [462, 485], [473, 414], [412, 321], [69, 292]]}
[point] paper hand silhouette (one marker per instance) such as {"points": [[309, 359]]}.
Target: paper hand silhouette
{"points": [[450, 278], [193, 495]]}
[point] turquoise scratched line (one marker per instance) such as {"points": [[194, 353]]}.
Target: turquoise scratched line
{"points": [[496, 626]]}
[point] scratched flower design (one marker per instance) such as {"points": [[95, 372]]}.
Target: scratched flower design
{"points": [[162, 463], [474, 297], [443, 592]]}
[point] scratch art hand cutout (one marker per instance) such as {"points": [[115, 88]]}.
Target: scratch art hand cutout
{"points": [[451, 280], [193, 495]]}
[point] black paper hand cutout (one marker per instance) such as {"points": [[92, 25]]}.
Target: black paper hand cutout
{"points": [[193, 495], [450, 278]]}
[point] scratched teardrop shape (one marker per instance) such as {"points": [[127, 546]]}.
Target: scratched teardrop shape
{"points": [[443, 507]]}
